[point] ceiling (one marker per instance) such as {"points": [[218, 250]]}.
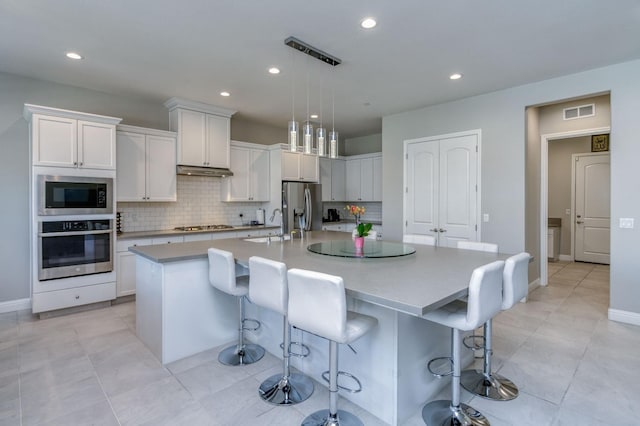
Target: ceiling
{"points": [[157, 49]]}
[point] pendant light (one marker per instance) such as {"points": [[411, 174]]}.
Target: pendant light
{"points": [[333, 135], [321, 132], [293, 124], [307, 130]]}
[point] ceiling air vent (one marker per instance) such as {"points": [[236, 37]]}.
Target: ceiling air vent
{"points": [[582, 111]]}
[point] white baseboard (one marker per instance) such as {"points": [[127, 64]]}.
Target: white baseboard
{"points": [[624, 316], [15, 305], [566, 257]]}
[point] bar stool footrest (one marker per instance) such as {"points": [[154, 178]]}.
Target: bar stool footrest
{"points": [[257, 323], [325, 377], [304, 349], [440, 374], [471, 342]]}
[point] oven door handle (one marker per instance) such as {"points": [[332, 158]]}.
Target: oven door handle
{"points": [[73, 233]]}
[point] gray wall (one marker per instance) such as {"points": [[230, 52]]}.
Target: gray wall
{"points": [[559, 167], [501, 116], [245, 130], [362, 145], [532, 190], [551, 120]]}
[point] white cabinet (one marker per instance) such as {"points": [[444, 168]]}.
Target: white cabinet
{"points": [[340, 227], [332, 178], [62, 138], [203, 132], [250, 180], [126, 261], [364, 179], [146, 164], [297, 166]]}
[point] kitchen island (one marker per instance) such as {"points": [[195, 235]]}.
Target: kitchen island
{"points": [[179, 313]]}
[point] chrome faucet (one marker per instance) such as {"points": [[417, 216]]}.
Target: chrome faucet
{"points": [[273, 215]]}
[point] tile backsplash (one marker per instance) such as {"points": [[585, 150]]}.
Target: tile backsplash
{"points": [[199, 203], [373, 210]]}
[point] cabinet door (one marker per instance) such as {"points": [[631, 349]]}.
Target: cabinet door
{"points": [[259, 175], [290, 165], [191, 138], [161, 168], [54, 141], [238, 184], [338, 170], [96, 145], [309, 168], [325, 178], [366, 179], [125, 274], [217, 141], [353, 180], [130, 173], [377, 179]]}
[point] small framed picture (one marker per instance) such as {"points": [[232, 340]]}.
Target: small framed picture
{"points": [[599, 143]]}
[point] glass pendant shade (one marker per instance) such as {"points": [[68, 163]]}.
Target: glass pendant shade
{"points": [[293, 136], [321, 138], [333, 144], [307, 135]]}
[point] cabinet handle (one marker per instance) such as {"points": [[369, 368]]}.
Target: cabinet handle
{"points": [[75, 163], [434, 230], [579, 222], [442, 230], [81, 163], [77, 297]]}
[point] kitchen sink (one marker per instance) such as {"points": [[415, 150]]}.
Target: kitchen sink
{"points": [[266, 239]]}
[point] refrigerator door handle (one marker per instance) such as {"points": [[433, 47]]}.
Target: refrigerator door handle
{"points": [[308, 210]]}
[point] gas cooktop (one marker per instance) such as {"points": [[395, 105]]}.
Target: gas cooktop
{"points": [[202, 227]]}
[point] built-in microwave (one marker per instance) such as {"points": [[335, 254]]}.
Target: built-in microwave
{"points": [[74, 195]]}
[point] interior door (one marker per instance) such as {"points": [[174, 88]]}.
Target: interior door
{"points": [[593, 216], [441, 193], [458, 190], [422, 177]]}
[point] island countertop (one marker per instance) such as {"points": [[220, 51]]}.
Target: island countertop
{"points": [[414, 284]]}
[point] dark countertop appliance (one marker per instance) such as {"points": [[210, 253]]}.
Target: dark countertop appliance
{"points": [[333, 215]]}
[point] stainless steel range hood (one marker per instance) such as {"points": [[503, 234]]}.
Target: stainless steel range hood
{"points": [[203, 171]]}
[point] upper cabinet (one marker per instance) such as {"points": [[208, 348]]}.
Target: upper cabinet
{"points": [[146, 164], [332, 178], [203, 133], [62, 138], [250, 167], [364, 178], [297, 166]]}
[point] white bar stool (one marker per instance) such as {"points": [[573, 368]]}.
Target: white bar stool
{"points": [[426, 240], [483, 382], [222, 275], [484, 301], [268, 288], [317, 304]]}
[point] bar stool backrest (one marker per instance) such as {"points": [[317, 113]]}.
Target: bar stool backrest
{"points": [[515, 279], [317, 304], [485, 294], [426, 240], [478, 246], [222, 272], [268, 284]]}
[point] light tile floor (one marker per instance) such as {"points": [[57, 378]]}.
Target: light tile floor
{"points": [[572, 365]]}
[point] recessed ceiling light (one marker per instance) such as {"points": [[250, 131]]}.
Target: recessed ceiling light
{"points": [[456, 76], [73, 55], [314, 116], [225, 94], [368, 23], [274, 70]]}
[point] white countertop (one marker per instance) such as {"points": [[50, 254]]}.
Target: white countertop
{"points": [[170, 232]]}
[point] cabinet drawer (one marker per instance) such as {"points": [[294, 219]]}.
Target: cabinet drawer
{"points": [[125, 244], [167, 240], [59, 299], [197, 237]]}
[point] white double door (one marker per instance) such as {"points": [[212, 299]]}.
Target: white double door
{"points": [[441, 188]]}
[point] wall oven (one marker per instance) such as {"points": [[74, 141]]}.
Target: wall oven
{"points": [[74, 195], [74, 248]]}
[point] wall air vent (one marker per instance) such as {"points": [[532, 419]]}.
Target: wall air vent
{"points": [[582, 111]]}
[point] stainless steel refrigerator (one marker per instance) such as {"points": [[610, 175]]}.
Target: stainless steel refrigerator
{"points": [[301, 206]]}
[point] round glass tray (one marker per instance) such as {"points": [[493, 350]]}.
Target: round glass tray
{"points": [[371, 249]]}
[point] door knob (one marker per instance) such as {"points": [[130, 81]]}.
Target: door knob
{"points": [[434, 230]]}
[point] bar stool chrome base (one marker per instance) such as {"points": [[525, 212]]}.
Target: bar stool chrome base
{"points": [[441, 413], [495, 387], [248, 355], [321, 418], [279, 390]]}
